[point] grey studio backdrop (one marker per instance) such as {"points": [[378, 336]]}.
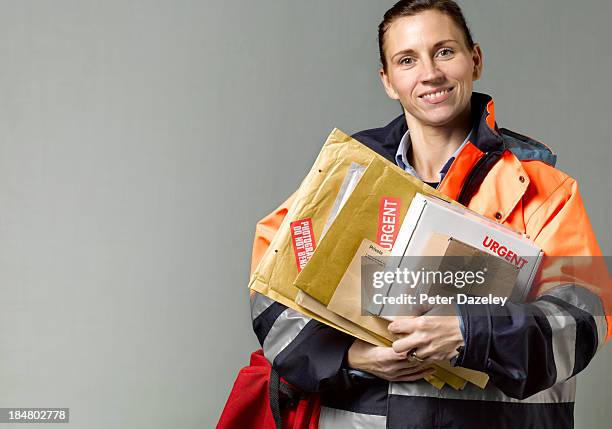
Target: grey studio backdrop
{"points": [[140, 141]]}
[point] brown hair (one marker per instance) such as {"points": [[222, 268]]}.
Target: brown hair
{"points": [[412, 7]]}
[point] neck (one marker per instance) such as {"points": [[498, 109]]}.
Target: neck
{"points": [[431, 147]]}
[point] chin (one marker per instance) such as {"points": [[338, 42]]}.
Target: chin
{"points": [[437, 120]]}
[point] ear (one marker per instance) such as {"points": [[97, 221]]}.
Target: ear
{"points": [[477, 57], [384, 78]]}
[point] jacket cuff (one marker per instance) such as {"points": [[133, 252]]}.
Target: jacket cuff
{"points": [[313, 360], [477, 330]]}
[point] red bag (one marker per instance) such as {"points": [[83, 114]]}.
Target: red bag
{"points": [[260, 399]]}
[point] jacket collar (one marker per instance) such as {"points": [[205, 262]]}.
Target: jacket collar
{"points": [[486, 136]]}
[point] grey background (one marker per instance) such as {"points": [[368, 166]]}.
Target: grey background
{"points": [[140, 141]]}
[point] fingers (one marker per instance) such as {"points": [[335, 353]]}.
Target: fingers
{"points": [[398, 372], [413, 376], [438, 350], [403, 325], [405, 365], [409, 342], [394, 366], [411, 371], [391, 363], [387, 354], [434, 337]]}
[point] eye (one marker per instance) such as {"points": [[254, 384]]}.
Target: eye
{"points": [[445, 53], [406, 61]]}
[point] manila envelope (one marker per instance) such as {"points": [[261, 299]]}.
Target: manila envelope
{"points": [[352, 328], [314, 200], [313, 203]]}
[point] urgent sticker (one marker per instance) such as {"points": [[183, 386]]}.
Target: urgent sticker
{"points": [[388, 221]]}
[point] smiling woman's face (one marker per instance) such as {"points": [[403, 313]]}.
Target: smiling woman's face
{"points": [[430, 68]]}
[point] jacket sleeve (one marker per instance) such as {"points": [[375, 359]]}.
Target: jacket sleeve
{"points": [[529, 347], [305, 352]]}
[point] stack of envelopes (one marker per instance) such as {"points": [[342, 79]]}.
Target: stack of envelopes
{"points": [[339, 205]]}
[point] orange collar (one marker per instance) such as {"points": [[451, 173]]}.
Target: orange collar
{"points": [[500, 191]]}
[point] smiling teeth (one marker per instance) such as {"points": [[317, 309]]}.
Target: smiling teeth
{"points": [[436, 94]]}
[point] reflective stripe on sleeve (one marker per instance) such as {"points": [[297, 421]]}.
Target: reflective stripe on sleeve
{"points": [[585, 300], [284, 330], [259, 303], [563, 327]]}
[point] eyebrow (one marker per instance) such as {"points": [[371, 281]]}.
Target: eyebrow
{"points": [[412, 51]]}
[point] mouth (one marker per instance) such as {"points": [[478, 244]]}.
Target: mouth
{"points": [[436, 96]]}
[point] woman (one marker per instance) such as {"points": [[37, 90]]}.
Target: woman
{"points": [[429, 63]]}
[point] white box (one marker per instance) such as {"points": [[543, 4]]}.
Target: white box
{"points": [[427, 215]]}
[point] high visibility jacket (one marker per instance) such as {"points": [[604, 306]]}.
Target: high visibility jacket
{"points": [[532, 353]]}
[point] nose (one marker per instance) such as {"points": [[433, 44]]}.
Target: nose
{"points": [[431, 72]]}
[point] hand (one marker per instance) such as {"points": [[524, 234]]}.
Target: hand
{"points": [[432, 338], [384, 363]]}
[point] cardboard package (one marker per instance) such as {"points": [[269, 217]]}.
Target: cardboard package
{"points": [[428, 215], [489, 275]]}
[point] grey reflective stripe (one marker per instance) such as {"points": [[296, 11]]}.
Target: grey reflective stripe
{"points": [[585, 300], [332, 418], [286, 327], [561, 392], [563, 326], [602, 330], [259, 304]]}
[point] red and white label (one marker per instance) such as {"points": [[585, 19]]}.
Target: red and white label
{"points": [[388, 221], [303, 241], [503, 251]]}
